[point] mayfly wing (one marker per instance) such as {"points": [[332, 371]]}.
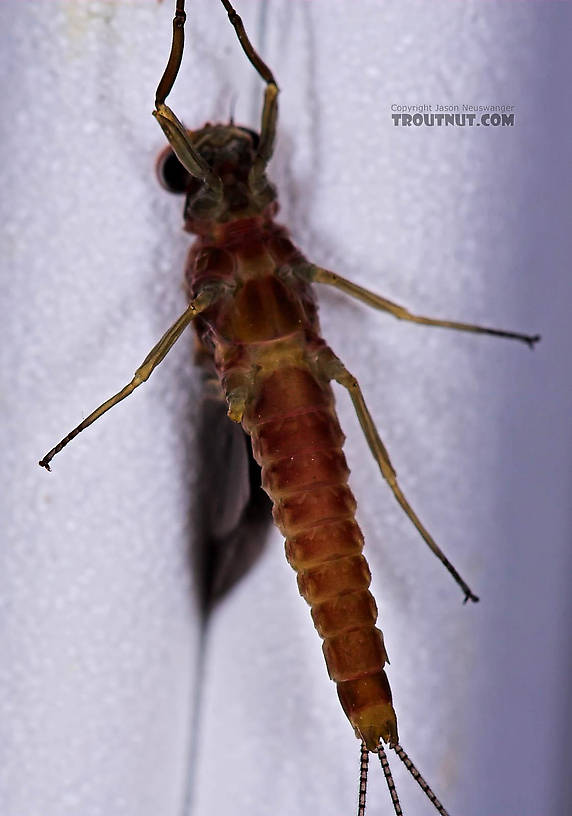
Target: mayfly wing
{"points": [[223, 467], [233, 512]]}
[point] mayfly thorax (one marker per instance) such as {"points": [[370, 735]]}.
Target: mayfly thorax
{"points": [[253, 307]]}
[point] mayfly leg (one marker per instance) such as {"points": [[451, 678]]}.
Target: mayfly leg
{"points": [[155, 356], [270, 107], [318, 275], [336, 370], [167, 81]]}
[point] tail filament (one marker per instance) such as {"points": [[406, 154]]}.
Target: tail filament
{"points": [[389, 779], [419, 779], [363, 769], [363, 766]]}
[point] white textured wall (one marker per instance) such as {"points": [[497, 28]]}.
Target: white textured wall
{"points": [[100, 640]]}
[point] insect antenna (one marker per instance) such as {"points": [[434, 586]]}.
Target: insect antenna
{"points": [[417, 777], [389, 779], [363, 766]]}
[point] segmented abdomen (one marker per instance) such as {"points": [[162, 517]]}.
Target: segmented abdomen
{"points": [[297, 440]]}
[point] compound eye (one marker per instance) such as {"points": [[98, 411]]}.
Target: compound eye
{"points": [[172, 176]]}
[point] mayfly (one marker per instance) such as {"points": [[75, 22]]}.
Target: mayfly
{"points": [[252, 304]]}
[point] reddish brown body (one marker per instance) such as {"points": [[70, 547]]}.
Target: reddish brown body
{"points": [[252, 305], [263, 332]]}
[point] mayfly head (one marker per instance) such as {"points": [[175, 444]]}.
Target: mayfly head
{"points": [[231, 153]]}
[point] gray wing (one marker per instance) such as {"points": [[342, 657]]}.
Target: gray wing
{"points": [[234, 512]]}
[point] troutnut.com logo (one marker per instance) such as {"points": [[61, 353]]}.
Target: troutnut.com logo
{"points": [[453, 115]]}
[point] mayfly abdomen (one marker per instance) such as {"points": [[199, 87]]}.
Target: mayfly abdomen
{"points": [[298, 443]]}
